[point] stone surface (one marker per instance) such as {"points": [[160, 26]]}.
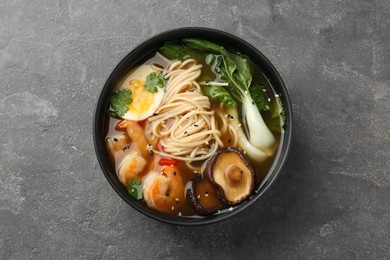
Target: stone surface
{"points": [[332, 200]]}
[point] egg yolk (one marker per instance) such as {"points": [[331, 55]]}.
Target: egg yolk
{"points": [[142, 99]]}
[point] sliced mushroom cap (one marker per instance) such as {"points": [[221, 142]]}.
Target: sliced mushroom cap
{"points": [[233, 175], [202, 197]]}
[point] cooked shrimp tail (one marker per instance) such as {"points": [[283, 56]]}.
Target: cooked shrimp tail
{"points": [[136, 134], [117, 143]]}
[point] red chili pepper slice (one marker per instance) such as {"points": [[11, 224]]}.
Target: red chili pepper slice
{"points": [[167, 161]]}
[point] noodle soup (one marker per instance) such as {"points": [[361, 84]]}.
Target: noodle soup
{"points": [[194, 130]]}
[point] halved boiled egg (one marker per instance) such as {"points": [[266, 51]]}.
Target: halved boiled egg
{"points": [[144, 103]]}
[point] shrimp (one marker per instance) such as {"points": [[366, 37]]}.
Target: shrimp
{"points": [[164, 190], [116, 143], [131, 167], [122, 125], [136, 134]]}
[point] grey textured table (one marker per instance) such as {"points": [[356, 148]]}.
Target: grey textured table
{"points": [[332, 200]]}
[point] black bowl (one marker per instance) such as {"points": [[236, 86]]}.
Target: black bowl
{"points": [[137, 56]]}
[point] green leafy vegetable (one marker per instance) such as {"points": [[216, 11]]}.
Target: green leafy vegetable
{"points": [[210, 59], [278, 116], [120, 101], [135, 189], [279, 111], [154, 80], [203, 45], [235, 69], [283, 116], [259, 97], [175, 51], [219, 94]]}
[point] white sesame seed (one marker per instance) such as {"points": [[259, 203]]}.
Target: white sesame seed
{"points": [[198, 196], [195, 171], [246, 92], [172, 208], [276, 95], [269, 100], [206, 194], [177, 199], [180, 214], [244, 152], [231, 209]]}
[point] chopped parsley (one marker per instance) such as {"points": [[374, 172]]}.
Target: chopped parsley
{"points": [[153, 81], [135, 189], [120, 101]]}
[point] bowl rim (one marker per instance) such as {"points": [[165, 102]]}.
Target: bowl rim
{"points": [[276, 168]]}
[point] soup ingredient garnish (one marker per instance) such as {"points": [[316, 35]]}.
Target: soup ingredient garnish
{"points": [[233, 175], [282, 112], [253, 152], [131, 167], [176, 51], [258, 94], [120, 101], [235, 69], [154, 81], [122, 125], [163, 188], [167, 161], [135, 189], [220, 94], [147, 91], [116, 143], [204, 205], [137, 136], [278, 116]]}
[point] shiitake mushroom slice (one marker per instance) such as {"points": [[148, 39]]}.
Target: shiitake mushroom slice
{"points": [[230, 171], [201, 196]]}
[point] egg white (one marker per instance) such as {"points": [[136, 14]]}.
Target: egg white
{"points": [[140, 74]]}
